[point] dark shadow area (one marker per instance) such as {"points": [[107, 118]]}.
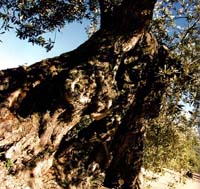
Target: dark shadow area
{"points": [[77, 155], [49, 95]]}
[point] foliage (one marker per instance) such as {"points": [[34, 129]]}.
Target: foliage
{"points": [[177, 24], [31, 18], [172, 142], [172, 139]]}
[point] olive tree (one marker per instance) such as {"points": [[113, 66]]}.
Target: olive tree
{"points": [[79, 119]]}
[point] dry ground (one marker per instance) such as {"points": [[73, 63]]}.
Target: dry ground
{"points": [[170, 180]]}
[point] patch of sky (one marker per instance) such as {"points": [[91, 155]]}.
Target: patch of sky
{"points": [[15, 52]]}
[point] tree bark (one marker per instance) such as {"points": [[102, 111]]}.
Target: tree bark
{"points": [[81, 116]]}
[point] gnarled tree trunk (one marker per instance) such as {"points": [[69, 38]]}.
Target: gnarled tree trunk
{"points": [[80, 117]]}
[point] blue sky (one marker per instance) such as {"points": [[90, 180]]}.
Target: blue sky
{"points": [[15, 52]]}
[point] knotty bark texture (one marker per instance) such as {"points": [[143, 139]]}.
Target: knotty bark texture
{"points": [[78, 120]]}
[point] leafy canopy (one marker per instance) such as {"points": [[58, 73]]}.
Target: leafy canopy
{"points": [[33, 18]]}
